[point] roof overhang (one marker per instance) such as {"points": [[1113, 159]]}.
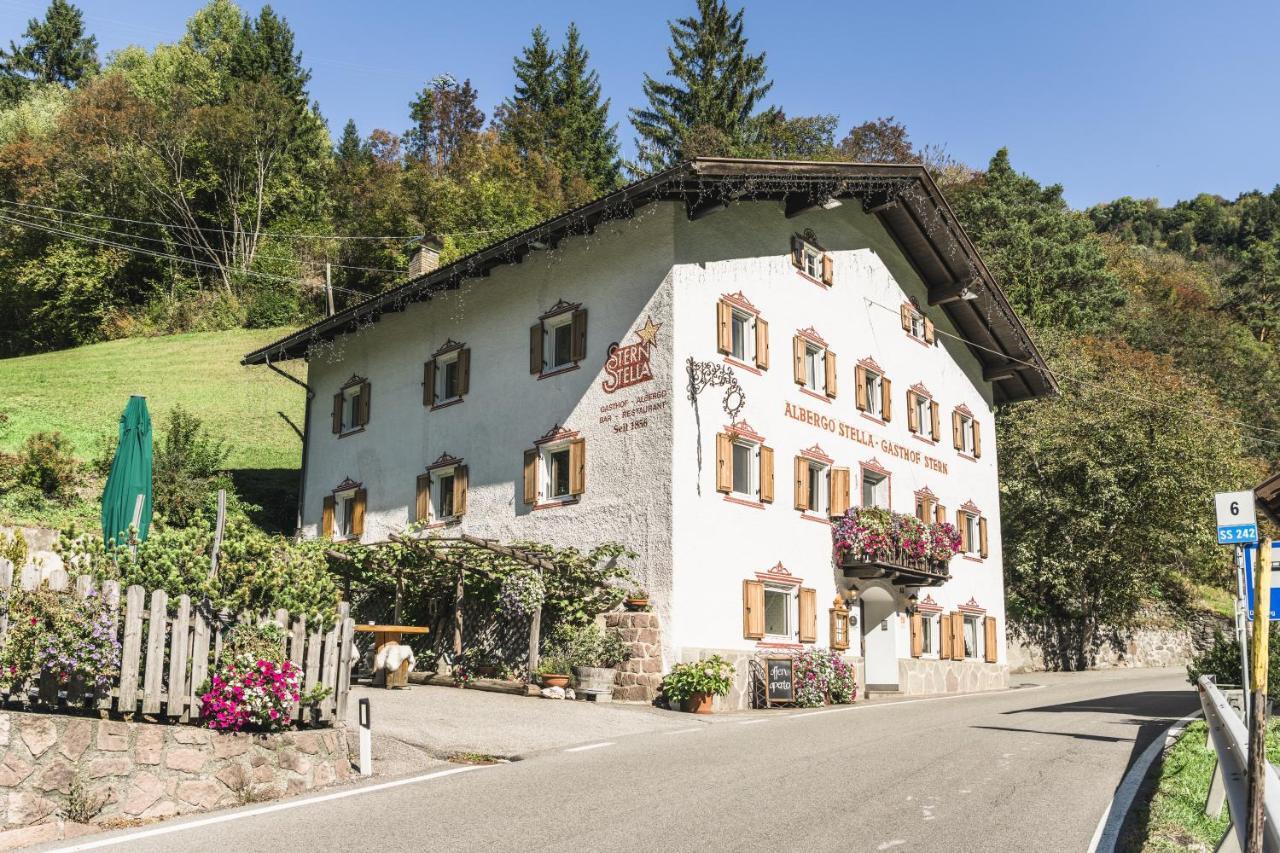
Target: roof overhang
{"points": [[904, 198], [1267, 494]]}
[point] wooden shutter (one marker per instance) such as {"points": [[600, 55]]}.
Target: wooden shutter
{"points": [[460, 480], [839, 491], [577, 466], [724, 462], [357, 513], [886, 398], [464, 371], [913, 418], [957, 427], [422, 502], [753, 610], [531, 476], [982, 537], [977, 439], [964, 530], [944, 636], [808, 615], [860, 392], [363, 417], [917, 638], [802, 483], [326, 517], [904, 314], [337, 413], [535, 348], [828, 271], [990, 644], [724, 327], [829, 362], [939, 514], [429, 383], [957, 636], [762, 344], [797, 357], [928, 331], [579, 335], [935, 431], [797, 252], [766, 475]]}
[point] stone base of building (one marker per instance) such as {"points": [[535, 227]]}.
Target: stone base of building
{"points": [[740, 696], [929, 676], [639, 679]]}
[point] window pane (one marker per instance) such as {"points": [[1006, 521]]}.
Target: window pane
{"points": [[739, 347], [926, 635], [970, 636], [348, 516], [742, 469], [559, 464], [815, 489], [873, 393], [444, 502], [563, 336], [777, 604], [868, 492]]}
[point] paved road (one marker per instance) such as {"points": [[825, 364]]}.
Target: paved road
{"points": [[1030, 769]]}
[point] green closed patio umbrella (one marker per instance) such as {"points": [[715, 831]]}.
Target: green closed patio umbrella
{"points": [[130, 476]]}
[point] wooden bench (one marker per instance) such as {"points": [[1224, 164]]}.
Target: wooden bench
{"points": [[383, 635]]}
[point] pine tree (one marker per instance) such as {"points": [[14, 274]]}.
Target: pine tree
{"points": [[57, 51], [265, 49], [586, 144], [351, 148], [717, 85], [525, 119]]}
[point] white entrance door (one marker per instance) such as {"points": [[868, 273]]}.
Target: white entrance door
{"points": [[880, 639]]}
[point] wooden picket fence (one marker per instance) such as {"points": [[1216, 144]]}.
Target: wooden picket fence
{"points": [[163, 666]]}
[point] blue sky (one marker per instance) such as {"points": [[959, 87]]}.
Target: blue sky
{"points": [[1108, 98]]}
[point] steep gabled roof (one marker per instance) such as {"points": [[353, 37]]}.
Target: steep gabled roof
{"points": [[903, 197]]}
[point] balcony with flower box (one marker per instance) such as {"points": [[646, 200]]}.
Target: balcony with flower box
{"points": [[872, 543]]}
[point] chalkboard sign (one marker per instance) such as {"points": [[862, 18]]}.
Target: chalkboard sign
{"points": [[779, 681]]}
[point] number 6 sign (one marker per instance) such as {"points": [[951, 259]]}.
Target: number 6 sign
{"points": [[1237, 518]]}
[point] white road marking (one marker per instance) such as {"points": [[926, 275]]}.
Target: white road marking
{"points": [[897, 842], [589, 746], [752, 722], [684, 731], [167, 829]]}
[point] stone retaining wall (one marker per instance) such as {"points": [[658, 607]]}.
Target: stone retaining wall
{"points": [[1159, 639], [140, 771], [640, 678]]}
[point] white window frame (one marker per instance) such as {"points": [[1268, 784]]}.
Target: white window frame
{"points": [[344, 507], [438, 477], [811, 260], [815, 367], [546, 474], [350, 400], [975, 620], [752, 469], [550, 326], [746, 321], [926, 635], [924, 417], [972, 530], [917, 324], [820, 487], [966, 433], [789, 593], [875, 392], [442, 369], [881, 483]]}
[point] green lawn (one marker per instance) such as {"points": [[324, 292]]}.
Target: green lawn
{"points": [[81, 392]]}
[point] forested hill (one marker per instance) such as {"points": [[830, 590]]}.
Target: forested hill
{"points": [[197, 185]]}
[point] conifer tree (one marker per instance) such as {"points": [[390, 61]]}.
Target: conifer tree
{"points": [[526, 118], [587, 145], [715, 88], [57, 51]]}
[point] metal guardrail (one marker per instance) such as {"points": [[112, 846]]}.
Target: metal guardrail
{"points": [[1230, 785]]}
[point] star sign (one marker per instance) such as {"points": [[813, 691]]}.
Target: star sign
{"points": [[648, 333]]}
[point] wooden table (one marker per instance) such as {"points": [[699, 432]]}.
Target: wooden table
{"points": [[382, 635]]}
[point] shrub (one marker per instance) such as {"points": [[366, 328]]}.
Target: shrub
{"points": [[587, 645], [45, 462], [1222, 659], [713, 676], [13, 547], [247, 694], [822, 674], [185, 461], [59, 633]]}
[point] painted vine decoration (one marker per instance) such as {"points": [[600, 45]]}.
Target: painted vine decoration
{"points": [[704, 374]]}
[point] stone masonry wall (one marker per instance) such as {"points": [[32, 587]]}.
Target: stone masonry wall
{"points": [[1158, 640], [640, 678], [930, 676], [149, 770]]}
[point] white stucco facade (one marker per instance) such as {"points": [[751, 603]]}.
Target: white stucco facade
{"points": [[643, 483]]}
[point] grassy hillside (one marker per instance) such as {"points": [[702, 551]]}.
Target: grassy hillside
{"points": [[81, 393]]}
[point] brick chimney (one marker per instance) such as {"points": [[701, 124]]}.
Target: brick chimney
{"points": [[426, 257]]}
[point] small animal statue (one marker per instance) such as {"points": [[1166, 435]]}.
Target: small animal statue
{"points": [[392, 659]]}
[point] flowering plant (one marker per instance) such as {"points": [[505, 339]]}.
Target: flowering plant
{"points": [[55, 632], [522, 592], [713, 676], [873, 533], [944, 541], [254, 687], [822, 675]]}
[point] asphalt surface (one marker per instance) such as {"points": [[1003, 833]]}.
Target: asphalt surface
{"points": [[1027, 769]]}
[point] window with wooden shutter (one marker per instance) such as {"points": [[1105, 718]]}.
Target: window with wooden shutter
{"points": [[957, 430], [886, 399], [797, 252], [962, 526], [991, 646], [828, 270], [580, 334], [531, 476], [944, 636], [464, 371], [326, 517], [577, 466], [753, 610], [913, 415], [766, 474], [940, 513], [338, 400], [724, 327], [982, 537], [904, 314], [535, 348], [798, 348], [429, 383], [808, 615], [360, 501], [977, 439], [935, 431], [840, 479], [839, 628], [957, 636], [802, 483], [860, 389], [461, 479], [422, 501], [724, 462], [929, 333], [917, 638], [762, 344], [362, 416], [829, 363]]}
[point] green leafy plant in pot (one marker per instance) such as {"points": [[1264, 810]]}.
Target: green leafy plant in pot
{"points": [[637, 599], [692, 685], [552, 671], [591, 652]]}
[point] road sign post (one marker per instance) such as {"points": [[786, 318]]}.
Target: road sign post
{"points": [[1258, 707], [1242, 631]]}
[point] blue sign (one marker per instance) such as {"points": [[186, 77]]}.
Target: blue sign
{"points": [[1238, 534], [1250, 555]]}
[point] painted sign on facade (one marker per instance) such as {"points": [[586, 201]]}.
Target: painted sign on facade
{"points": [[631, 364]]}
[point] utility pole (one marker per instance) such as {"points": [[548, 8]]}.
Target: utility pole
{"points": [[1258, 705], [328, 287]]}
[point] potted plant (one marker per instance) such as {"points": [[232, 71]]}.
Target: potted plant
{"points": [[637, 599], [693, 685], [552, 672], [592, 653]]}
